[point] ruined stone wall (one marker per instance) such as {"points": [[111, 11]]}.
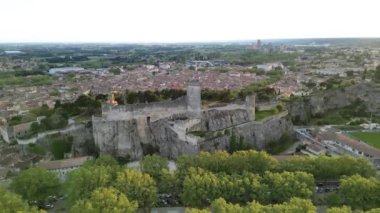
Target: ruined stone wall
{"points": [[369, 93], [256, 134], [83, 142]]}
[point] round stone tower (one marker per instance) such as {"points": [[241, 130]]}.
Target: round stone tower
{"points": [[194, 98]]}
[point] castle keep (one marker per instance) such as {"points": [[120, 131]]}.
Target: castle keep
{"points": [[168, 127]]}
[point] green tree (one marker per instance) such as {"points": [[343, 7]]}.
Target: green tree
{"points": [[220, 161], [60, 145], [105, 200], [289, 184], [221, 206], [82, 182], [168, 183], [153, 164], [137, 186], [295, 205], [377, 73], [360, 193], [12, 203], [36, 184], [233, 143], [200, 187], [193, 210], [343, 209], [329, 168]]}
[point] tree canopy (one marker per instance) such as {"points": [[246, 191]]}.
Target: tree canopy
{"points": [[137, 186], [360, 193], [295, 205], [321, 167], [13, 203], [153, 165], [201, 187], [36, 184], [105, 172], [105, 200], [81, 182]]}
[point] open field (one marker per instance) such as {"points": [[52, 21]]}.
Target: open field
{"points": [[9, 79], [371, 138]]}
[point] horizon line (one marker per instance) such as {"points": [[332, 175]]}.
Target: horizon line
{"points": [[180, 42]]}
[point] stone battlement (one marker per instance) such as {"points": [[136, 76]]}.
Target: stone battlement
{"points": [[154, 109], [190, 104]]}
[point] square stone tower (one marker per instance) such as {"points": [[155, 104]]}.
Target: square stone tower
{"points": [[194, 98], [250, 104]]}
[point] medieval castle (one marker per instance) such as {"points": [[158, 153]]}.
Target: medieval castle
{"points": [[168, 127]]}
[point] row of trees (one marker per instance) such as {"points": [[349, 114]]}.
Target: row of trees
{"points": [[103, 185], [297, 205], [200, 187], [131, 97], [322, 167], [294, 205]]}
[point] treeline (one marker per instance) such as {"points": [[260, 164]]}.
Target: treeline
{"points": [[132, 97], [225, 96], [294, 205], [27, 73], [355, 192], [238, 182], [258, 162], [66, 59], [200, 187]]}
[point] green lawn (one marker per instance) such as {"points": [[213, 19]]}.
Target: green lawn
{"points": [[9, 79], [260, 115], [371, 138]]}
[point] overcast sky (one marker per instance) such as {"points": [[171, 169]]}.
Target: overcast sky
{"points": [[184, 20]]}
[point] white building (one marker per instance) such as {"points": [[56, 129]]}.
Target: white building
{"points": [[63, 167], [269, 66]]}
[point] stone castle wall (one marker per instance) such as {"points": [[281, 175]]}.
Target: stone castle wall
{"points": [[164, 127], [129, 137], [154, 110]]}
